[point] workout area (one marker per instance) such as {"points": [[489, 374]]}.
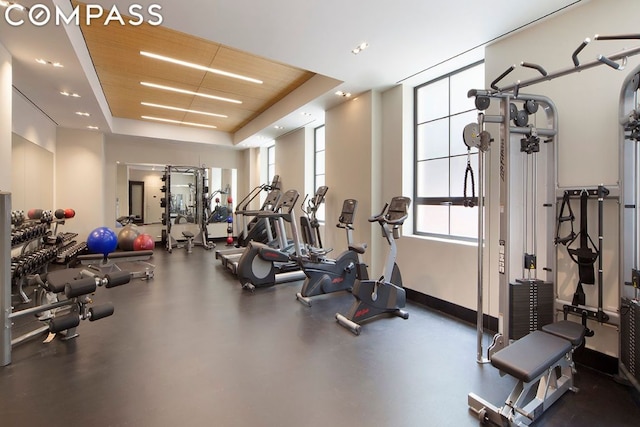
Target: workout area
{"points": [[290, 214]]}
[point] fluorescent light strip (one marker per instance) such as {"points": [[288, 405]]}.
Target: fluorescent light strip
{"points": [[178, 122], [167, 107], [189, 92], [199, 67]]}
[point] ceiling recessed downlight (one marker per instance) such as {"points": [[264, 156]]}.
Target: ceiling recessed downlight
{"points": [[178, 122], [362, 46], [343, 94], [70, 94], [168, 107], [83, 113], [199, 67], [190, 92]]}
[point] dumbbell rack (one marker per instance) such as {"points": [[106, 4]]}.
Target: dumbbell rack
{"points": [[34, 255]]}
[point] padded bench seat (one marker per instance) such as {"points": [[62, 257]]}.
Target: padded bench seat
{"points": [[528, 357], [570, 331]]}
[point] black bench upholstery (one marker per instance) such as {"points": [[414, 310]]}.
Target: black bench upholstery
{"points": [[570, 331], [531, 355]]}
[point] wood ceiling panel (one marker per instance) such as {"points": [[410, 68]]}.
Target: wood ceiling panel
{"points": [[115, 51]]}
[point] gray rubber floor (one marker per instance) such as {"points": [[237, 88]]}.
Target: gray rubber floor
{"points": [[191, 348]]}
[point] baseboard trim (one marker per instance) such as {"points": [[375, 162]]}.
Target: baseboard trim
{"points": [[582, 356]]}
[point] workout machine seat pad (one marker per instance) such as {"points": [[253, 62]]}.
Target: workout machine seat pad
{"points": [[56, 280], [571, 331], [531, 355]]}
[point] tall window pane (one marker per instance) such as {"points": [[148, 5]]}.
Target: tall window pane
{"points": [[442, 110], [319, 165]]}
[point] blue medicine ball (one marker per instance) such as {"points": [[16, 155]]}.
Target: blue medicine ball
{"points": [[102, 240], [230, 219]]}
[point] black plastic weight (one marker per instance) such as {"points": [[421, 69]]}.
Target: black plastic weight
{"points": [[513, 111], [482, 102], [531, 106]]}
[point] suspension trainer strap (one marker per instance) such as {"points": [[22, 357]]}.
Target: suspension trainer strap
{"points": [[570, 217], [584, 255]]}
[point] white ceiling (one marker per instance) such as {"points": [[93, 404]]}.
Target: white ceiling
{"points": [[407, 40]]}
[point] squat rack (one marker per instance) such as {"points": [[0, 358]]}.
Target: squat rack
{"points": [[483, 141]]}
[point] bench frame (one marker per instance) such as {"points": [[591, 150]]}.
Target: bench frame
{"points": [[529, 399]]}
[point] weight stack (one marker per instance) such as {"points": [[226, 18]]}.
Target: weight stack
{"points": [[630, 336], [530, 307]]}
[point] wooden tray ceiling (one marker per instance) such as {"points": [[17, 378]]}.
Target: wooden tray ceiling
{"points": [[115, 51]]}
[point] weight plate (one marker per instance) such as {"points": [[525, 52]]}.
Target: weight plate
{"points": [[635, 82]]}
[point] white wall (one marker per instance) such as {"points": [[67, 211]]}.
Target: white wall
{"points": [[290, 155], [5, 119], [349, 163], [80, 179], [32, 124]]}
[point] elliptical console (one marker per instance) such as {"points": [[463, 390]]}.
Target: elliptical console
{"points": [[385, 295]]}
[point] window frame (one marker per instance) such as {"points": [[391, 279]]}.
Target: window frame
{"points": [[440, 200]]}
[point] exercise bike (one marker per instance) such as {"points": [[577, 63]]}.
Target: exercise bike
{"points": [[327, 275], [385, 295]]}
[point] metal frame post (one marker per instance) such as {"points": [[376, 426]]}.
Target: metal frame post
{"points": [[5, 277]]}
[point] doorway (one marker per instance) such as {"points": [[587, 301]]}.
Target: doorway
{"points": [[136, 201]]}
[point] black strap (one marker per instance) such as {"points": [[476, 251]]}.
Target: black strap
{"points": [[565, 218], [468, 174], [586, 254]]}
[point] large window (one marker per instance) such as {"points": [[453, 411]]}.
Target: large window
{"points": [[318, 165], [271, 162], [442, 110]]}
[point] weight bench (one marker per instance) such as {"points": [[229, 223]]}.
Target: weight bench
{"points": [[108, 264], [542, 362]]}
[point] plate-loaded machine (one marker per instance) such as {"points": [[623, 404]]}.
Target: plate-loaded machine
{"points": [[262, 266], [386, 294], [629, 361], [541, 358], [326, 275]]}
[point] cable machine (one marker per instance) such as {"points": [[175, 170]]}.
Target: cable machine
{"points": [[527, 200], [629, 259]]}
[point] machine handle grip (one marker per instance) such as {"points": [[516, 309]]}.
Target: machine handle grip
{"points": [[117, 279], [380, 216]]}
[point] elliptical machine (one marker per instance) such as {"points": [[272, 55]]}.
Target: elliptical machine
{"points": [[327, 275], [262, 266], [385, 295]]}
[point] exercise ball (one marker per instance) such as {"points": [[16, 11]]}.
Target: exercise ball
{"points": [[59, 213], [102, 240], [126, 236], [229, 199], [143, 242], [69, 213], [229, 240], [34, 213]]}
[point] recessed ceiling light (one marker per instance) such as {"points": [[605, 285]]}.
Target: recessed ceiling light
{"points": [[343, 94], [278, 127], [189, 92], [92, 127], [362, 46], [304, 113], [178, 122], [82, 113], [200, 67], [45, 62], [71, 94], [168, 107]]}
